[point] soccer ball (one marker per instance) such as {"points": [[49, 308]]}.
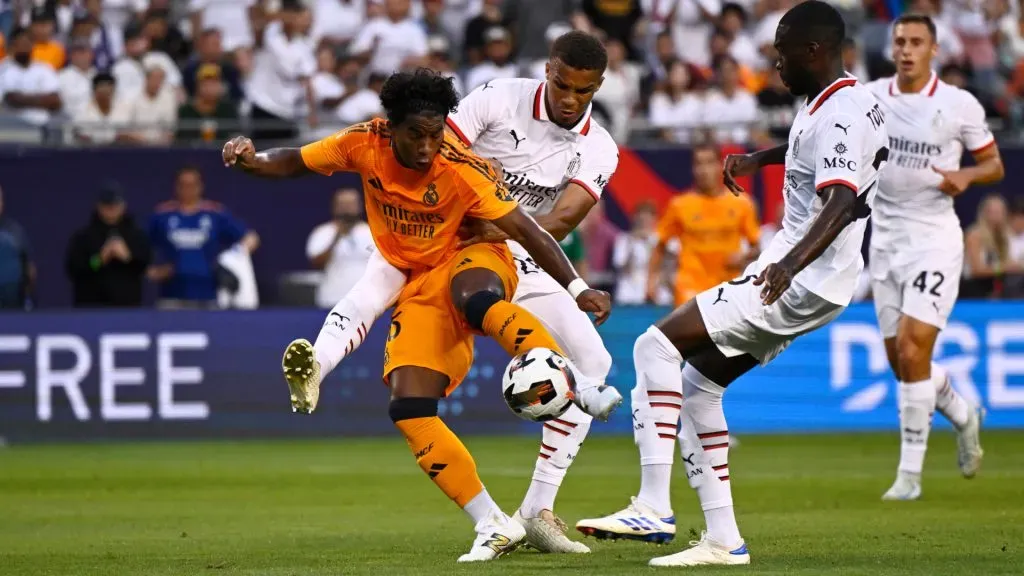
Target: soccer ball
{"points": [[538, 385]]}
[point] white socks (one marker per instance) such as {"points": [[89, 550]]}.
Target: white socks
{"points": [[916, 401], [482, 507], [703, 409], [560, 441], [343, 331], [948, 402], [657, 401]]}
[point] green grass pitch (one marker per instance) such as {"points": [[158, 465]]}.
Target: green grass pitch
{"points": [[806, 505]]}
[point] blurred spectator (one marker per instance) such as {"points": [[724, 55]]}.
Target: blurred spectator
{"points": [[393, 42], [153, 113], [691, 23], [364, 104], [1017, 230], [282, 76], [711, 225], [661, 58], [107, 42], [130, 70], [491, 15], [530, 20], [45, 47], [674, 108], [764, 30], [598, 234], [234, 19], [107, 259], [340, 247], [631, 256], [101, 120], [620, 91], [117, 14], [733, 23], [496, 63], [954, 74], [538, 68], [328, 90], [852, 61], [30, 89], [76, 80], [617, 20], [439, 59], [987, 242], [17, 272], [165, 37], [209, 51], [975, 21], [777, 107], [730, 105], [188, 234], [337, 22], [208, 117], [433, 19]]}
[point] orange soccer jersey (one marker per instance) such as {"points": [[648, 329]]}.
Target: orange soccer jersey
{"points": [[414, 218], [710, 230]]}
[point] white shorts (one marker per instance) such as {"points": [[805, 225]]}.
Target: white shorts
{"points": [[572, 328], [739, 323], [922, 284]]}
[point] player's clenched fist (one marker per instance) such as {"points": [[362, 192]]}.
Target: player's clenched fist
{"points": [[239, 151], [597, 302]]}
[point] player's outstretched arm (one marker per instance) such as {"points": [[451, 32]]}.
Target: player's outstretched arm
{"points": [[837, 213], [544, 249], [240, 152]]}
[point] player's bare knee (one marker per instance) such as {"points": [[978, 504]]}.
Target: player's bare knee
{"points": [[913, 356], [408, 408]]}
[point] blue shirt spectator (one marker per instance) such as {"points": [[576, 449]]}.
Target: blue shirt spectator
{"points": [[15, 266], [188, 234]]}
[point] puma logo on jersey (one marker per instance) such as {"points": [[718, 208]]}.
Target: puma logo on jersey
{"points": [[721, 291], [843, 128], [516, 138], [486, 85]]}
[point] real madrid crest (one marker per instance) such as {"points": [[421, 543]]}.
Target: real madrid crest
{"points": [[430, 197]]}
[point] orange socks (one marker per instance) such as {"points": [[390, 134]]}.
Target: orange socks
{"points": [[516, 329], [444, 457]]}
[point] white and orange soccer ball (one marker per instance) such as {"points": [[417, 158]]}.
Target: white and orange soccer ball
{"points": [[539, 385]]}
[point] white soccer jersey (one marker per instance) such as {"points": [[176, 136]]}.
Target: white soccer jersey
{"points": [[838, 137], [506, 119], [926, 130]]}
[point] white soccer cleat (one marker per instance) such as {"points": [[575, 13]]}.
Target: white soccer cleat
{"points": [[706, 552], [598, 401], [635, 522], [968, 443], [302, 372], [906, 487], [546, 533], [495, 536]]}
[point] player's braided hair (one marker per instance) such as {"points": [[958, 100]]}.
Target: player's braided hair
{"points": [[580, 50], [422, 91], [816, 21]]}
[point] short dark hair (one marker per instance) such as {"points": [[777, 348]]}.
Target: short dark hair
{"points": [[103, 78], [816, 21], [422, 91], [580, 50], [734, 7], [918, 19], [18, 31]]}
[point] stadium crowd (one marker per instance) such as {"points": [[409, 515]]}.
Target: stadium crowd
{"points": [[157, 71]]}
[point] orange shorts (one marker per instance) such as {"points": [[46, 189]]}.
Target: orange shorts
{"points": [[427, 330]]}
